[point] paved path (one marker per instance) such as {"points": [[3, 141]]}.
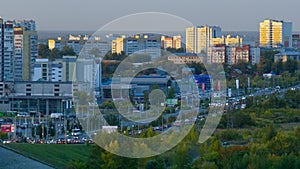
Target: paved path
{"points": [[12, 160]]}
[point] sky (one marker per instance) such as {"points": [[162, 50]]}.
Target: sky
{"points": [[90, 15]]}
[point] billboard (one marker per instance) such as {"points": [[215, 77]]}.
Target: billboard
{"points": [[6, 128], [172, 101], [110, 129]]}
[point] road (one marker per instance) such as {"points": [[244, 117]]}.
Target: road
{"points": [[12, 160]]}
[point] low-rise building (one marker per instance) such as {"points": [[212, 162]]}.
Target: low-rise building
{"points": [[232, 54], [284, 56], [41, 96], [181, 58]]}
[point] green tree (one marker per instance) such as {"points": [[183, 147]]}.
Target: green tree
{"points": [[183, 159], [268, 133], [54, 54], [43, 51], [171, 92], [77, 164], [158, 163], [67, 51]]}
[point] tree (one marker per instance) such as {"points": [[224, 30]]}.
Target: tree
{"points": [[183, 159], [76, 164], [290, 65], [95, 161], [171, 93], [43, 51], [108, 104], [268, 133], [54, 54], [67, 51], [158, 163]]}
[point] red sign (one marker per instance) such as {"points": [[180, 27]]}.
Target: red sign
{"points": [[5, 128]]}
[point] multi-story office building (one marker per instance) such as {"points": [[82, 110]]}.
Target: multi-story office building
{"points": [[275, 33], [40, 96], [199, 38]]}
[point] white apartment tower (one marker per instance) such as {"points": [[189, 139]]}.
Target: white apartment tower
{"points": [[199, 38]]}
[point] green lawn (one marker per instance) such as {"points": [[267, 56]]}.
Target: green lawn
{"points": [[57, 155]]}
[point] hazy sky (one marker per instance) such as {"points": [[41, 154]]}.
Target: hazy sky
{"points": [[90, 15]]}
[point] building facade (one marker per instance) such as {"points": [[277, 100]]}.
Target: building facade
{"points": [[18, 49], [185, 58], [228, 40], [284, 56], [275, 33], [199, 38], [41, 96], [143, 44], [117, 45], [171, 42], [232, 54]]}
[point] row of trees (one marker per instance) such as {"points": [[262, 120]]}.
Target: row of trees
{"points": [[45, 52]]}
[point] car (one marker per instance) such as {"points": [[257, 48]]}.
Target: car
{"points": [[225, 143], [6, 141]]}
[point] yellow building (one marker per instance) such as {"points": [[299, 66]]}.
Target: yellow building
{"points": [[229, 41], [275, 33], [177, 41], [51, 44], [117, 45]]}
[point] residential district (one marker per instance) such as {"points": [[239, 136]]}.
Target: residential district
{"points": [[39, 76]]}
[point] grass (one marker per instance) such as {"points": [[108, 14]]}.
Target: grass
{"points": [[57, 155]]}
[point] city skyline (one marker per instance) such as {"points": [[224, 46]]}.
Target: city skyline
{"points": [[90, 15]]}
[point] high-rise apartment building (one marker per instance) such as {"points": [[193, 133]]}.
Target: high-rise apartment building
{"points": [[18, 49], [199, 38], [7, 50], [26, 49], [275, 33]]}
